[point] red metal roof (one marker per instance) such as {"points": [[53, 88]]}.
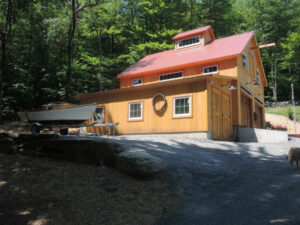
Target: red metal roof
{"points": [[171, 59], [194, 32]]}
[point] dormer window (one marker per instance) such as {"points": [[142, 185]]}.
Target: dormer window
{"points": [[189, 42]]}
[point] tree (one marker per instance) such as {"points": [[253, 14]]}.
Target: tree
{"points": [[72, 27], [5, 34]]}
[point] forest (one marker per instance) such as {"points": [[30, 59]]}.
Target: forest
{"points": [[54, 50]]}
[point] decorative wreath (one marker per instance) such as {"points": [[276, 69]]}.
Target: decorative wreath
{"points": [[153, 102]]}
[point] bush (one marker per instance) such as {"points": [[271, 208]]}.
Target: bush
{"points": [[290, 114]]}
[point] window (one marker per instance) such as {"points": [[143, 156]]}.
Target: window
{"points": [[245, 61], [258, 76], [182, 106], [189, 41], [99, 115], [137, 81], [210, 69], [251, 54], [135, 110], [170, 76]]}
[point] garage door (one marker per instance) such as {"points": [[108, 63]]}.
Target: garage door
{"points": [[246, 111]]}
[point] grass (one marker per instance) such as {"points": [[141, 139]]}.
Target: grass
{"points": [[44, 191], [283, 111]]}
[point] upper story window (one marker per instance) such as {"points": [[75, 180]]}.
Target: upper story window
{"points": [[138, 81], [170, 76], [245, 60], [135, 111], [189, 41], [258, 76], [210, 69]]}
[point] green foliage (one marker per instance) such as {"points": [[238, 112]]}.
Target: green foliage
{"points": [[290, 114], [284, 111], [129, 30]]}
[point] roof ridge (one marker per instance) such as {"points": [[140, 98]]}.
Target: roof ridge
{"points": [[233, 36], [206, 26]]}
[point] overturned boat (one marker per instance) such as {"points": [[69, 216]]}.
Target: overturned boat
{"points": [[61, 115], [74, 113]]}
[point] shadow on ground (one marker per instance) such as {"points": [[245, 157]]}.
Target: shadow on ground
{"points": [[225, 182]]}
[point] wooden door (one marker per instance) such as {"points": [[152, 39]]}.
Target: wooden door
{"points": [[217, 114], [226, 117], [246, 111], [258, 116], [221, 112]]}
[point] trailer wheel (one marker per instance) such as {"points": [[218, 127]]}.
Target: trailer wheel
{"points": [[35, 129], [64, 131]]}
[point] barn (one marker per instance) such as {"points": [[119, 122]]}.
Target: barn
{"points": [[204, 86]]}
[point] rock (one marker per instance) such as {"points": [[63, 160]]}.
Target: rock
{"points": [[121, 148], [101, 152], [139, 163], [7, 144]]}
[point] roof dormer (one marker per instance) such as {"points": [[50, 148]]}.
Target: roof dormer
{"points": [[193, 38]]}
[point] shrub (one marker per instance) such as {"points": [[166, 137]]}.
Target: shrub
{"points": [[290, 114]]}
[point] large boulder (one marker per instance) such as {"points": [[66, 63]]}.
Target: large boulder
{"points": [[137, 162], [7, 143]]}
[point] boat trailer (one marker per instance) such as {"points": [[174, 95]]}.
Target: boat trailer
{"points": [[37, 127]]}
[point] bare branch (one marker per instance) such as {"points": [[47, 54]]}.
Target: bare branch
{"points": [[86, 6]]}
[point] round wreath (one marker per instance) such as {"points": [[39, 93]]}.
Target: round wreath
{"points": [[153, 102]]}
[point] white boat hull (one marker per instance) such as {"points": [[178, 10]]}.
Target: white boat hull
{"points": [[77, 113]]}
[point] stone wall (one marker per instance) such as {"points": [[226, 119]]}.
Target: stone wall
{"points": [[135, 162]]}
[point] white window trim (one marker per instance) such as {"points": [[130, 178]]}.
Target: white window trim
{"points": [[211, 72], [190, 106], [247, 61], [189, 44], [258, 80], [171, 78], [103, 114], [135, 118]]}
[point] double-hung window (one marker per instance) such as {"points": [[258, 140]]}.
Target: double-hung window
{"points": [[135, 111], [245, 60], [182, 106]]}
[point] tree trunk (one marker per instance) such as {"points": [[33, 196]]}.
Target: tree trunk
{"points": [[100, 60], [2, 72], [71, 32], [5, 34], [69, 50], [275, 81]]}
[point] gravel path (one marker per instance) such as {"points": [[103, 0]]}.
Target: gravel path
{"points": [[225, 182]]}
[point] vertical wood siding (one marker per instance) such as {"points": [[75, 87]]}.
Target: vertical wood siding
{"points": [[116, 109]]}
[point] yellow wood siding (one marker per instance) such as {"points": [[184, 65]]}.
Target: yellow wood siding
{"points": [[246, 78], [215, 108], [226, 67], [116, 109]]}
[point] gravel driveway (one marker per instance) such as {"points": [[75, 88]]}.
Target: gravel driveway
{"points": [[224, 182]]}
